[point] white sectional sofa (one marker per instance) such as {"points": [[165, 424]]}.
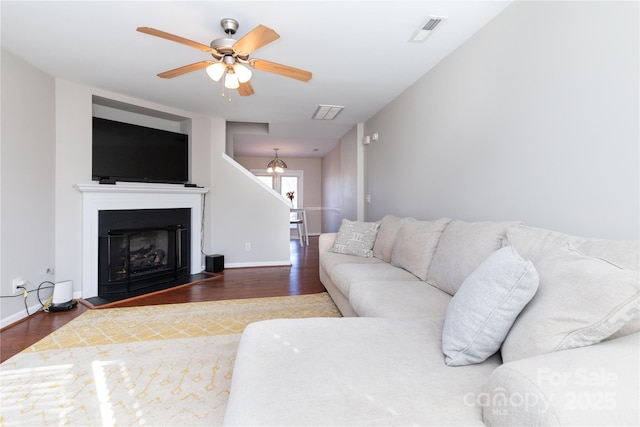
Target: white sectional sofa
{"points": [[453, 323]]}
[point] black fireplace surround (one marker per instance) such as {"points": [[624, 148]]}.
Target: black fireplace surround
{"points": [[142, 250]]}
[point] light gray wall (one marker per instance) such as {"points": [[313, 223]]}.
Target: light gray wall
{"points": [[535, 118], [340, 183], [349, 174], [331, 190], [27, 174]]}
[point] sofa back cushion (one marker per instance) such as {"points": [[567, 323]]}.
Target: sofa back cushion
{"points": [[462, 248], [415, 244], [623, 253], [581, 299], [389, 227]]}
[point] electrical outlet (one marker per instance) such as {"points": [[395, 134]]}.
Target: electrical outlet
{"points": [[247, 247], [18, 282]]}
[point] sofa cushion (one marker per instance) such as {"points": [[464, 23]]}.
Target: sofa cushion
{"points": [[351, 371], [398, 299], [344, 275], [581, 300], [588, 386], [415, 244], [356, 238], [623, 253], [482, 311], [328, 260], [463, 247], [389, 227]]}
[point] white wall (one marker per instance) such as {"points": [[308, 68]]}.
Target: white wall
{"points": [[535, 118], [243, 212], [27, 175], [46, 150], [312, 179], [230, 212]]}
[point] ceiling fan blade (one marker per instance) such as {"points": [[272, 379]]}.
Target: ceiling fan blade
{"points": [[283, 70], [185, 69], [245, 89], [254, 40], [177, 39]]}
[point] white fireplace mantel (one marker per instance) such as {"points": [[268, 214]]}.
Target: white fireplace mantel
{"points": [[121, 196]]}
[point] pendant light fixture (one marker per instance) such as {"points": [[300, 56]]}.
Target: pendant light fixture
{"points": [[276, 164]]}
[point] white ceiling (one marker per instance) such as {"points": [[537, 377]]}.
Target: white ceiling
{"points": [[358, 51]]}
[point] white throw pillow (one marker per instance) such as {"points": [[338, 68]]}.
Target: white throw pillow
{"points": [[481, 313], [356, 238], [581, 300]]}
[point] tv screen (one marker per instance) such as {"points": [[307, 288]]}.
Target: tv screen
{"points": [[126, 152]]}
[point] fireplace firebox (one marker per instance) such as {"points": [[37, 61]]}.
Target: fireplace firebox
{"points": [[142, 250]]}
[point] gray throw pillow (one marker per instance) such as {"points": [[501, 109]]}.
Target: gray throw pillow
{"points": [[356, 238], [488, 302]]}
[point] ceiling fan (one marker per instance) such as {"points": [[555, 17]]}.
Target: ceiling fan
{"points": [[230, 57]]}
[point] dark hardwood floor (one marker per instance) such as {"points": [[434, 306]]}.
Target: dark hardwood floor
{"points": [[301, 278]]}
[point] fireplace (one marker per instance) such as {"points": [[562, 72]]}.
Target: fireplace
{"points": [[142, 250], [134, 197]]}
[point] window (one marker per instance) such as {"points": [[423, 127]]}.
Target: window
{"points": [[267, 179], [287, 184]]}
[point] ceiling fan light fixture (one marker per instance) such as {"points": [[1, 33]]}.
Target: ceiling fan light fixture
{"points": [[231, 80], [243, 73], [216, 70], [231, 57]]}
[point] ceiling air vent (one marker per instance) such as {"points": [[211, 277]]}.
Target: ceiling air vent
{"points": [[427, 27], [327, 112]]}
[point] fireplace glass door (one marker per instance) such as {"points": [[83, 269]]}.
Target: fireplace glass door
{"points": [[140, 250], [139, 258]]}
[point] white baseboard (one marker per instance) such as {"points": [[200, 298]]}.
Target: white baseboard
{"points": [[286, 263], [6, 321], [22, 314]]}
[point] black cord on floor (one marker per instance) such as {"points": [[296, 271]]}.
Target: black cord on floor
{"points": [[40, 287], [27, 291], [26, 307]]}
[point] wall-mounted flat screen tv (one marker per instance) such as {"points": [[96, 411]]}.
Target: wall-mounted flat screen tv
{"points": [[127, 152]]}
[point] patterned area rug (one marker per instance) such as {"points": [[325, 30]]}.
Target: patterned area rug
{"points": [[155, 365]]}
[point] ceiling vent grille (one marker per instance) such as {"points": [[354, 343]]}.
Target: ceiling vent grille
{"points": [[327, 112], [427, 27]]}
